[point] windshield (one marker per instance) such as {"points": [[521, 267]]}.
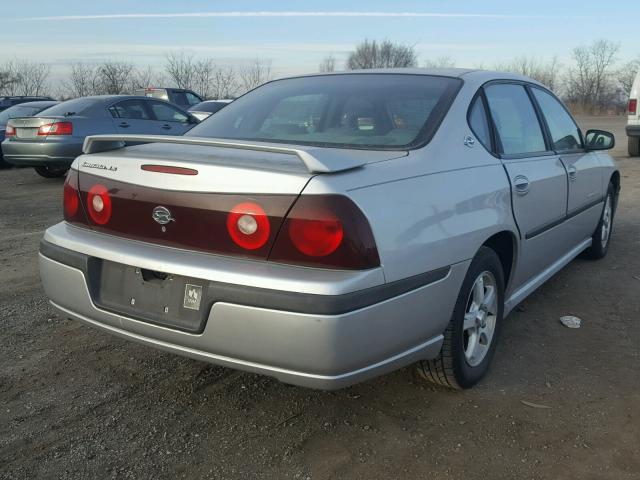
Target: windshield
{"points": [[350, 110], [211, 107], [17, 111]]}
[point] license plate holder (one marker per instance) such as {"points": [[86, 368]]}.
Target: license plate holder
{"points": [[173, 301]]}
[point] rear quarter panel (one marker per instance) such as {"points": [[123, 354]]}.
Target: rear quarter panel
{"points": [[434, 207]]}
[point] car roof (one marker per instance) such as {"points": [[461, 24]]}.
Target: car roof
{"points": [[39, 103], [467, 74]]}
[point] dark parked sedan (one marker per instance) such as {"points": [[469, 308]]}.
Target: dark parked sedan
{"points": [[22, 110], [52, 140]]}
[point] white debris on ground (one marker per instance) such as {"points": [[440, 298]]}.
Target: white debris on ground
{"points": [[570, 321]]}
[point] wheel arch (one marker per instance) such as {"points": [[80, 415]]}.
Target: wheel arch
{"points": [[615, 180], [504, 243]]}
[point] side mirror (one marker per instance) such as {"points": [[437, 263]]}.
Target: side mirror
{"points": [[193, 120], [599, 140]]}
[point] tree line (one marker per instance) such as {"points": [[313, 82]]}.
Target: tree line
{"points": [[594, 82]]}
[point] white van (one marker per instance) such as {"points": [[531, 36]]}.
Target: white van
{"points": [[633, 123]]}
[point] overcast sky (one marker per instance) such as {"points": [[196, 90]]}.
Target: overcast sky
{"points": [[296, 35]]}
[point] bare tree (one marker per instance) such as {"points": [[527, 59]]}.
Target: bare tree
{"points": [[590, 85], [328, 64], [115, 77], [440, 62], [546, 72], [144, 78], [626, 74], [254, 74], [225, 83], [180, 68], [83, 80], [26, 78], [6, 80], [371, 54]]}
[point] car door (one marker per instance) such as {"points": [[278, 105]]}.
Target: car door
{"points": [[584, 168], [169, 120], [537, 175], [131, 117]]}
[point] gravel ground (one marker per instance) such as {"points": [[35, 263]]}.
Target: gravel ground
{"points": [[78, 403]]}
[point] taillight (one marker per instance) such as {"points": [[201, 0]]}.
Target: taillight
{"points": [[326, 231], [99, 204], [318, 234], [248, 225], [10, 131], [71, 199], [633, 106], [57, 128]]}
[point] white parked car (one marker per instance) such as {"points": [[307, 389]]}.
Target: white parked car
{"points": [[633, 124]]}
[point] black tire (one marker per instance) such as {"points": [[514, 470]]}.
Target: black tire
{"points": [[4, 164], [599, 247], [634, 146], [51, 172], [451, 368]]}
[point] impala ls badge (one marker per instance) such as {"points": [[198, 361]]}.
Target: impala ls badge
{"points": [[162, 215]]}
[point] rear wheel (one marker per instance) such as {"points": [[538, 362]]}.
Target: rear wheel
{"points": [[471, 337], [51, 172], [600, 238], [4, 164], [634, 146]]}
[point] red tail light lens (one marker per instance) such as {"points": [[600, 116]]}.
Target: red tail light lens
{"points": [[326, 231], [99, 204], [10, 131], [248, 225], [58, 128], [71, 201], [633, 106], [318, 234]]}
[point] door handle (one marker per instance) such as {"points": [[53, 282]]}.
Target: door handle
{"points": [[521, 184], [166, 127], [573, 172], [123, 125]]}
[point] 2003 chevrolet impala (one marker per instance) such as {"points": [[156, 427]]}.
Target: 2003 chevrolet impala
{"points": [[326, 229]]}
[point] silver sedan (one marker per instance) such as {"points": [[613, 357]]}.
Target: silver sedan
{"points": [[329, 228]]}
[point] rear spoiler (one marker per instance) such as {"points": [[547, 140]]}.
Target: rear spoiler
{"points": [[315, 159]]}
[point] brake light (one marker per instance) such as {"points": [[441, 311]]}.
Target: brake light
{"points": [[633, 106], [99, 204], [326, 231], [318, 234], [248, 225], [71, 199], [57, 128], [10, 131], [169, 169]]}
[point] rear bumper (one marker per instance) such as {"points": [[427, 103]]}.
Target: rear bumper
{"points": [[37, 154], [633, 130], [317, 350]]}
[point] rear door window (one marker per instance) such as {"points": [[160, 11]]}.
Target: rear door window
{"points": [[130, 109], [564, 132], [167, 113], [515, 119]]}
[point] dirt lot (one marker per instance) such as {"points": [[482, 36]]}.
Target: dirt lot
{"points": [[78, 403]]}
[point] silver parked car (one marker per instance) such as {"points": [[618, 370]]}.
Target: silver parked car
{"points": [[204, 110], [26, 109], [327, 229], [53, 139]]}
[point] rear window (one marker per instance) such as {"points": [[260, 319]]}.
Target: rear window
{"points": [[350, 111], [17, 111], [77, 106]]}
